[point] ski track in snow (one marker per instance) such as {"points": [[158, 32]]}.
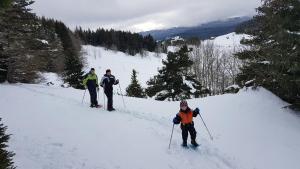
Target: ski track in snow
{"points": [[56, 154]]}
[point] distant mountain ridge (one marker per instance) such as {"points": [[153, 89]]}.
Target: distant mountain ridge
{"points": [[203, 31]]}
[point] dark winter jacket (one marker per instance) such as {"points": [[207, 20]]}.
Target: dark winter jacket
{"points": [[91, 80], [107, 82], [185, 117]]}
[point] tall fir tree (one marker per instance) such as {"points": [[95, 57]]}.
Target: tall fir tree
{"points": [[175, 80], [4, 3], [5, 155], [27, 46], [18, 27], [73, 73], [135, 89], [273, 59]]}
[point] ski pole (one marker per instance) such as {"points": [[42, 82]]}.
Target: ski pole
{"points": [[206, 128], [98, 94], [122, 96], [83, 96], [103, 98], [171, 136]]}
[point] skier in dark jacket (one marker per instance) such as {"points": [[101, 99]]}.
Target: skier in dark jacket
{"points": [[107, 82], [90, 82], [185, 117]]}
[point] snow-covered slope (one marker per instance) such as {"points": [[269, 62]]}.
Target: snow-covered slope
{"points": [[228, 42], [122, 64], [52, 129]]}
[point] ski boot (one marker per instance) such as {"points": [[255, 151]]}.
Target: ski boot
{"points": [[194, 143], [184, 144], [111, 109]]}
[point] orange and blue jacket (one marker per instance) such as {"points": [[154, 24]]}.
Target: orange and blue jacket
{"points": [[185, 117]]}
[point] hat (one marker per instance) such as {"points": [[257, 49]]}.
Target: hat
{"points": [[183, 103], [93, 69], [108, 70]]}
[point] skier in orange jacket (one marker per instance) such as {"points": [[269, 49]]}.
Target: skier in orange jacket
{"points": [[185, 117]]}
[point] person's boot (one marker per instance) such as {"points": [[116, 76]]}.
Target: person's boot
{"points": [[184, 143], [111, 109], [92, 105], [194, 143]]}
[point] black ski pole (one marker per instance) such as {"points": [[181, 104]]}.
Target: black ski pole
{"points": [[206, 127], [171, 136], [98, 94], [103, 98]]}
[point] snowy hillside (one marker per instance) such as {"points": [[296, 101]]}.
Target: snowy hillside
{"points": [[122, 64], [52, 129], [229, 41]]}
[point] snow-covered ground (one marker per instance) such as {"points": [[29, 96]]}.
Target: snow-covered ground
{"points": [[52, 129]]}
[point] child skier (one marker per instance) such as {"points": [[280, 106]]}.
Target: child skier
{"points": [[185, 116]]}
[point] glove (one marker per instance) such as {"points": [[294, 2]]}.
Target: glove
{"points": [[176, 121], [197, 111], [117, 81]]}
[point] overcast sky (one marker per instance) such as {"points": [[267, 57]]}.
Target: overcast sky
{"points": [[142, 15]]}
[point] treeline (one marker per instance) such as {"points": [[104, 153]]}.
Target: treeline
{"points": [[273, 57], [30, 45], [127, 42]]}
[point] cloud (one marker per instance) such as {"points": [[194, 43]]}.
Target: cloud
{"points": [[141, 15]]}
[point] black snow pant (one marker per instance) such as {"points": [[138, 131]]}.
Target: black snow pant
{"points": [[109, 95], [93, 94], [188, 128]]}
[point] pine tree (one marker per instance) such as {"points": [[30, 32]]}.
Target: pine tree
{"points": [[4, 3], [27, 44], [5, 156], [175, 81], [18, 27], [135, 89], [73, 73], [273, 60]]}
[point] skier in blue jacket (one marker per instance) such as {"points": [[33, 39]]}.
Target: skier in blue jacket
{"points": [[107, 82]]}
